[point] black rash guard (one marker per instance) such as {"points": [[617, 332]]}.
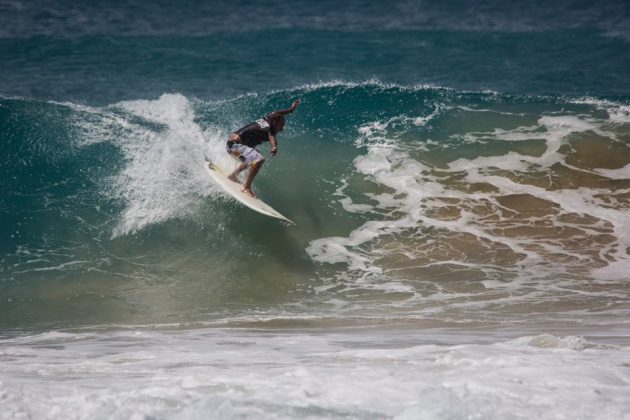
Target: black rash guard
{"points": [[255, 133]]}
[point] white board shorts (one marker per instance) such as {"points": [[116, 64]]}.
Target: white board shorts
{"points": [[245, 154]]}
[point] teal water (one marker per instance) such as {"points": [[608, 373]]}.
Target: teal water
{"points": [[110, 216], [459, 175]]}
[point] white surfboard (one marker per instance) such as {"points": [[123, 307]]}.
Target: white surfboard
{"points": [[234, 189]]}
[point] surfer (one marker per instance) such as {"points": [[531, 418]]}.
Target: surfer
{"points": [[243, 142]]}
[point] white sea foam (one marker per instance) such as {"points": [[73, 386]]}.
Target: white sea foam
{"points": [[555, 135], [621, 173], [423, 120], [372, 82], [163, 175], [617, 112], [376, 374], [415, 187]]}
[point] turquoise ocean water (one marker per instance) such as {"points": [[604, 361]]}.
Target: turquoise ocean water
{"points": [[459, 175]]}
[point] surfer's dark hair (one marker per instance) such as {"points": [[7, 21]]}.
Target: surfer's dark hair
{"points": [[275, 120]]}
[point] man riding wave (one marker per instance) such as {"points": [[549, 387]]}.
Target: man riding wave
{"points": [[242, 144]]}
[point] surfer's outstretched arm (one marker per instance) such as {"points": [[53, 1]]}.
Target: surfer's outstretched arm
{"points": [[274, 145], [290, 110]]}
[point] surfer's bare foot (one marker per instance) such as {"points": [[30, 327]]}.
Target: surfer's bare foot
{"points": [[233, 178], [249, 192]]}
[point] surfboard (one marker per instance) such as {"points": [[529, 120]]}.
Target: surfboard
{"points": [[234, 190]]}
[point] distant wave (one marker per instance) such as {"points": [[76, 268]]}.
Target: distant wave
{"points": [[189, 18]]}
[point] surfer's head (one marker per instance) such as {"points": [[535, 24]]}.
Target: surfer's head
{"points": [[277, 122]]}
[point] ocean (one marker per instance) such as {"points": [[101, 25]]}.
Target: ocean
{"points": [[458, 173]]}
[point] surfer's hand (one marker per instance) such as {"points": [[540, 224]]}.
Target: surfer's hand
{"points": [[295, 105], [274, 151]]}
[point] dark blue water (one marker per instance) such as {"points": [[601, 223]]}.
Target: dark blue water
{"points": [[103, 53]]}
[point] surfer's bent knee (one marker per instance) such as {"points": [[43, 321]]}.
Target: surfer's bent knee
{"points": [[258, 162]]}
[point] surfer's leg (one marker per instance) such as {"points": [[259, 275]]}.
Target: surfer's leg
{"points": [[236, 149], [234, 175], [253, 170]]}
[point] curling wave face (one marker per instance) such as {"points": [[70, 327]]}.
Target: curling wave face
{"points": [[411, 202]]}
